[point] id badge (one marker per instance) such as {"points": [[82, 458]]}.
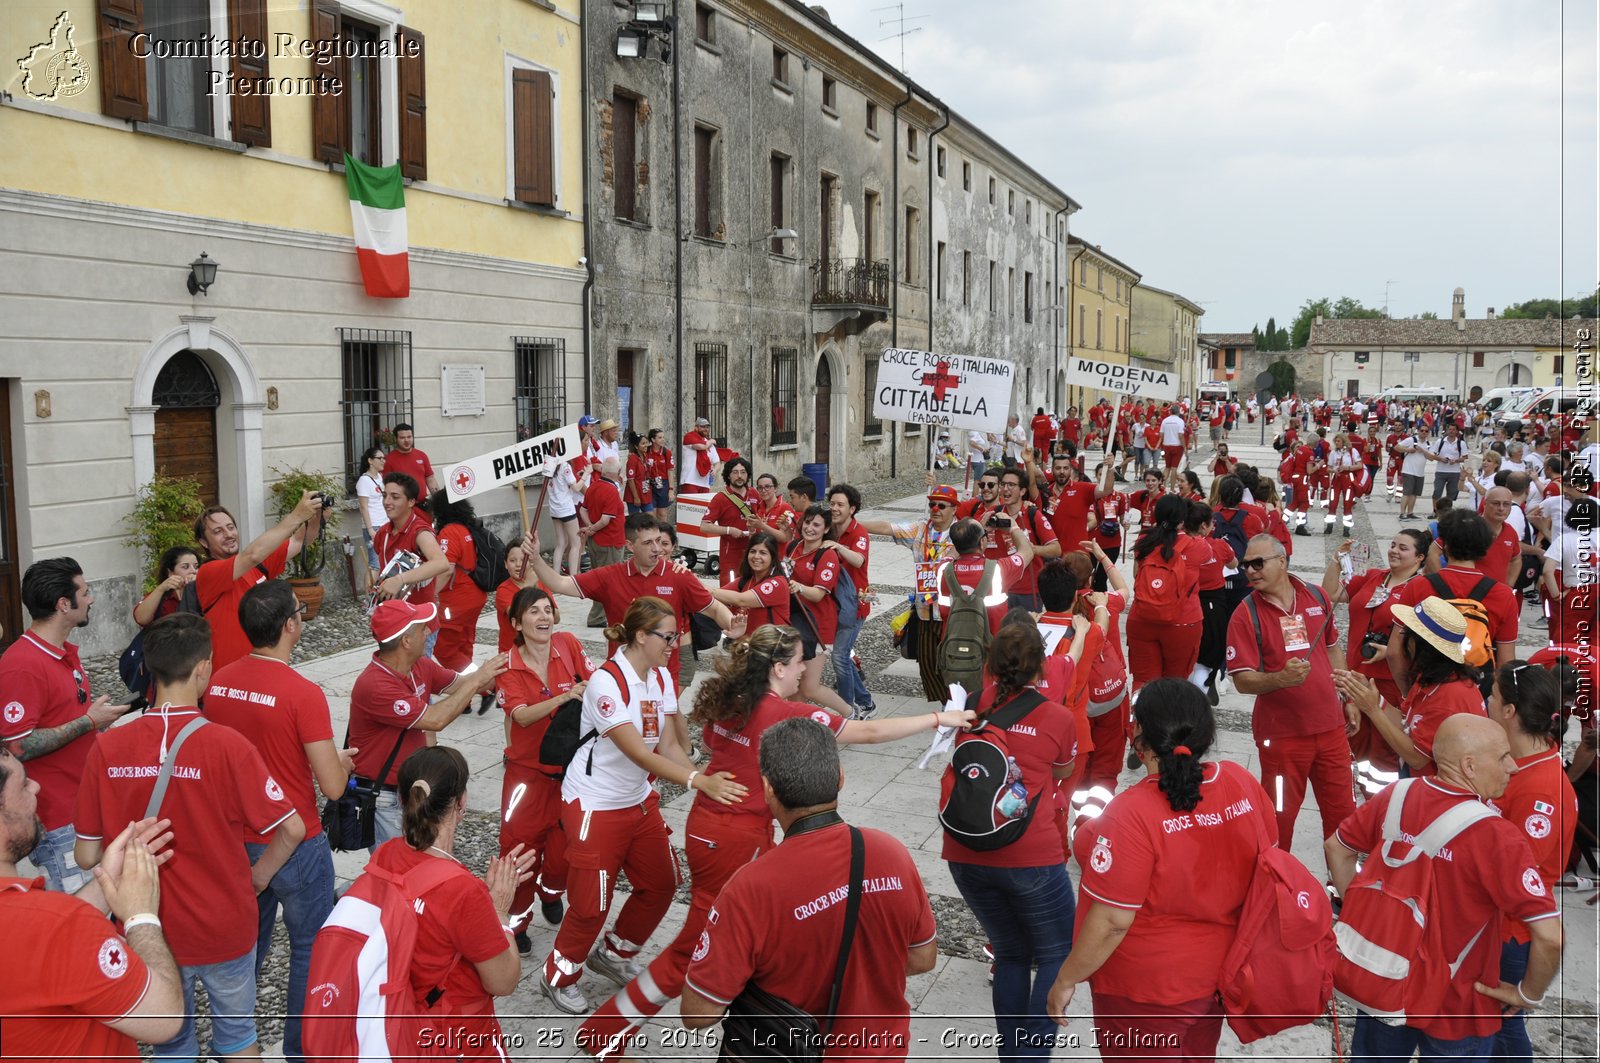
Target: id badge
{"points": [[650, 721], [1295, 638], [1380, 594], [927, 577]]}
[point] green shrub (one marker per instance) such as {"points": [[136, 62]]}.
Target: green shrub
{"points": [[291, 484], [163, 516]]}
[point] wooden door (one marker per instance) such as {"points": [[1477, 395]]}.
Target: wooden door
{"points": [[186, 445], [823, 411], [10, 570], [625, 392]]}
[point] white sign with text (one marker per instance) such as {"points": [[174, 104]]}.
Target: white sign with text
{"points": [[510, 464], [948, 390], [1122, 379]]}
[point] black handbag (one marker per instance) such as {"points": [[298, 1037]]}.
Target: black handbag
{"points": [[759, 1026], [350, 820], [908, 636]]}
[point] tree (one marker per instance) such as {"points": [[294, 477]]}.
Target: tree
{"points": [[1272, 334], [1345, 307], [1282, 377], [1575, 306]]}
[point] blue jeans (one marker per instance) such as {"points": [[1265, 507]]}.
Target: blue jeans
{"points": [[648, 507], [1512, 1041], [55, 861], [372, 551], [303, 887], [1027, 913], [231, 986], [846, 679], [385, 820], [1378, 1042]]}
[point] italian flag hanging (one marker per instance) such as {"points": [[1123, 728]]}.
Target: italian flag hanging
{"points": [[378, 216]]}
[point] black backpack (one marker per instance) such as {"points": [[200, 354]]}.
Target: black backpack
{"points": [[978, 778], [562, 738], [1231, 530], [490, 571]]}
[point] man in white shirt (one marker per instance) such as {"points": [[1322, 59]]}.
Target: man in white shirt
{"points": [[1016, 438], [1174, 440], [1448, 452], [977, 455], [1412, 468]]}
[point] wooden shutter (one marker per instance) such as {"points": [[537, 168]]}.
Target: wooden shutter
{"points": [[702, 181], [330, 114], [413, 104], [122, 84], [624, 154], [532, 97], [252, 115]]}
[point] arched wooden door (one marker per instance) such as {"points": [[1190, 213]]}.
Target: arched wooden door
{"points": [[10, 570], [822, 415], [186, 423]]}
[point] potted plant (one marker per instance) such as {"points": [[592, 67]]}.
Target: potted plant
{"points": [[305, 568], [163, 516]]}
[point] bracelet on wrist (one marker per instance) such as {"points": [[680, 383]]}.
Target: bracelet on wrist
{"points": [[688, 784], [1529, 1001], [142, 919]]}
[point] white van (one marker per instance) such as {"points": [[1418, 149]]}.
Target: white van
{"points": [[1399, 394], [1500, 398], [1547, 402]]}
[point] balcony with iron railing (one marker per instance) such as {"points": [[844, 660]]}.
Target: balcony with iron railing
{"points": [[850, 282]]}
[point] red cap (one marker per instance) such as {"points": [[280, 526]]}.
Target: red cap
{"points": [[392, 618], [944, 494]]}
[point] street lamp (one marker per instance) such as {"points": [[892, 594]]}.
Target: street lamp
{"points": [[202, 274]]}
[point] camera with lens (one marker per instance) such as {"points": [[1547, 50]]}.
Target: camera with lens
{"points": [[323, 499], [998, 521], [1372, 643]]}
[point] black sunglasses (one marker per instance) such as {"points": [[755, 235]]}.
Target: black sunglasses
{"points": [[1256, 564]]}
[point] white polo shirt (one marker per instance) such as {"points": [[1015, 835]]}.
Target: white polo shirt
{"points": [[610, 780]]}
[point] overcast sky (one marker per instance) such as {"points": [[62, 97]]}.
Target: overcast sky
{"points": [[1251, 154]]}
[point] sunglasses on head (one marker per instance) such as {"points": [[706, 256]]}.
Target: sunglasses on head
{"points": [[1256, 564]]}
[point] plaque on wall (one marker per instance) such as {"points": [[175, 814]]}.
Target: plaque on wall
{"points": [[461, 391]]}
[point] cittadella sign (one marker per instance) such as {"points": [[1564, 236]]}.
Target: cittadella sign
{"points": [[948, 390], [1121, 379], [506, 466]]}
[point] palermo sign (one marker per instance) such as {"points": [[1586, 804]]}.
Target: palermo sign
{"points": [[510, 464], [948, 390], [1122, 379]]}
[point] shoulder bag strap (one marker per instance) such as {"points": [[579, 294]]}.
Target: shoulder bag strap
{"points": [[165, 778], [377, 784], [1481, 589], [852, 914], [1015, 710]]}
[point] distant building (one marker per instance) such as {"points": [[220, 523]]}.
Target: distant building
{"points": [[1100, 309], [1166, 335], [1225, 355]]}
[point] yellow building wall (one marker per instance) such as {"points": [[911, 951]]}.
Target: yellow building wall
{"points": [[1113, 346], [466, 45]]}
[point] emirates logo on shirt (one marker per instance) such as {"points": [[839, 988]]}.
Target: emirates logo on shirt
{"points": [[114, 958], [13, 712], [1532, 882]]}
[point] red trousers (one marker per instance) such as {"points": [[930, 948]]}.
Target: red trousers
{"points": [[1110, 733], [599, 845], [718, 843], [1287, 764], [1346, 486], [530, 816], [1131, 1029], [1161, 651], [1298, 501], [458, 627]]}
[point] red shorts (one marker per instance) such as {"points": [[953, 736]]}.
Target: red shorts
{"points": [[1173, 456]]}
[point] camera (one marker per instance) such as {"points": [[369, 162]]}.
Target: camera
{"points": [[323, 499], [998, 521], [1372, 643]]}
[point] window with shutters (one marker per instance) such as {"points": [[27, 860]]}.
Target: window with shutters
{"points": [[1083, 312], [780, 66], [376, 379], [913, 249], [830, 96], [1011, 202], [966, 278], [1011, 293], [871, 424], [966, 177], [155, 66], [994, 287], [705, 23], [533, 145], [872, 118], [938, 270], [869, 226], [708, 184], [778, 196], [991, 191], [913, 143], [1027, 298], [711, 386], [625, 155], [1477, 359], [785, 394], [1099, 316], [541, 395], [377, 120], [938, 161]]}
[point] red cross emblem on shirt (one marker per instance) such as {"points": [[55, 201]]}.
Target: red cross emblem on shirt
{"points": [[941, 379]]}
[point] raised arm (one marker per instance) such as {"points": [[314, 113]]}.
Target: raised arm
{"points": [[554, 581]]}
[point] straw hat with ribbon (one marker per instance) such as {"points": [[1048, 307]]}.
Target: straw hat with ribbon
{"points": [[1438, 623]]}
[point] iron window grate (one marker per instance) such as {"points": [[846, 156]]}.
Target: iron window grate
{"points": [[541, 396], [711, 387], [785, 397], [376, 373]]}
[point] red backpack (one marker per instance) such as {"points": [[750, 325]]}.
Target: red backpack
{"points": [[359, 999], [1391, 961], [1278, 973], [1159, 586]]}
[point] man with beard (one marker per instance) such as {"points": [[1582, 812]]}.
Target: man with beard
{"points": [[74, 986], [48, 718], [728, 515], [406, 458]]}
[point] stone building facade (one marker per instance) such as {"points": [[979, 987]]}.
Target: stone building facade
{"points": [[801, 208], [1099, 307], [1166, 335]]}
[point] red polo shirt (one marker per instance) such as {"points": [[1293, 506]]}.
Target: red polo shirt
{"points": [[414, 463], [69, 972], [219, 595], [1506, 546], [1069, 513], [1036, 524], [601, 500], [280, 712], [724, 512], [385, 707], [1426, 708], [734, 746], [1313, 706], [616, 586], [1108, 509], [1370, 610], [774, 594], [1541, 803], [40, 684], [1500, 603], [390, 541], [520, 685], [220, 794], [855, 537], [819, 568], [1490, 872]]}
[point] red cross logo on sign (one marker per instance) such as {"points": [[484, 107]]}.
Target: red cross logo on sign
{"points": [[941, 380], [463, 479]]}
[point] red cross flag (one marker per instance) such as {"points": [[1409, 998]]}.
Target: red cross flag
{"points": [[948, 390], [473, 476]]}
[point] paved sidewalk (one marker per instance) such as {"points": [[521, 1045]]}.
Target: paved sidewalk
{"points": [[883, 789]]}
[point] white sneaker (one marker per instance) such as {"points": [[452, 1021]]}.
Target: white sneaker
{"points": [[863, 713], [567, 998], [619, 970]]}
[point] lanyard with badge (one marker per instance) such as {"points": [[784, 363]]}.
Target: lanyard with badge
{"points": [[931, 545]]}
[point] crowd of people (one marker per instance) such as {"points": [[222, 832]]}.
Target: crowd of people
{"points": [[197, 824]]}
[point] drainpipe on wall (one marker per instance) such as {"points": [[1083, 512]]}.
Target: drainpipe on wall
{"points": [[932, 279], [1055, 336], [588, 249], [677, 235], [894, 276]]}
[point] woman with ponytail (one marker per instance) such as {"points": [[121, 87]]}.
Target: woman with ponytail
{"points": [[1539, 801], [1164, 623], [1152, 935], [752, 689], [464, 946]]}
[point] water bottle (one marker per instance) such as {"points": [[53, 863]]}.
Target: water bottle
{"points": [[1014, 801]]}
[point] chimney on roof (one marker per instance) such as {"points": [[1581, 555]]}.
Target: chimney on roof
{"points": [[821, 12], [1458, 305], [1490, 315], [1319, 319]]}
